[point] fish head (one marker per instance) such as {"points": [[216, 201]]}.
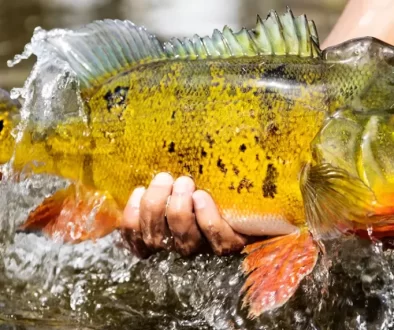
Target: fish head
{"points": [[367, 67], [9, 118]]}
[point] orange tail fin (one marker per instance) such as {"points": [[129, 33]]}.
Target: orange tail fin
{"points": [[75, 214], [276, 268]]}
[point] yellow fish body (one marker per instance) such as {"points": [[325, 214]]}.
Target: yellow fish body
{"points": [[286, 138]]}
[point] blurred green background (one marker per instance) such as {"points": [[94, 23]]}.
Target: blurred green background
{"points": [[165, 18]]}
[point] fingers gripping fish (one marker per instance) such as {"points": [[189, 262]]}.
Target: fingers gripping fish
{"points": [[291, 142]]}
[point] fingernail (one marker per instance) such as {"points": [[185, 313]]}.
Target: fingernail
{"points": [[136, 196], [199, 200], [163, 179], [183, 185]]}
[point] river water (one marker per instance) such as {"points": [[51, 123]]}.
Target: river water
{"points": [[99, 285]]}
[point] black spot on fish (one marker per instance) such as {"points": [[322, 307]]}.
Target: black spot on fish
{"points": [[272, 129], [242, 147], [268, 157], [215, 83], [221, 165], [244, 183], [231, 187], [187, 168], [246, 89], [277, 71], [269, 184], [203, 153], [270, 90], [200, 168], [257, 157], [164, 144], [235, 170], [171, 147], [256, 139], [1, 125], [210, 140], [173, 115], [280, 73], [116, 100]]}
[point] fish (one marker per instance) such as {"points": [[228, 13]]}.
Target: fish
{"points": [[294, 144]]}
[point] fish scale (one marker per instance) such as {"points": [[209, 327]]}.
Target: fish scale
{"points": [[290, 141]]}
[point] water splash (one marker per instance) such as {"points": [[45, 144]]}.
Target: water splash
{"points": [[99, 285]]}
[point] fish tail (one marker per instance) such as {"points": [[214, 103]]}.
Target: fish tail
{"points": [[275, 268], [75, 214]]}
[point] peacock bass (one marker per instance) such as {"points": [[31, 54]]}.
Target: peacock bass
{"points": [[291, 141]]}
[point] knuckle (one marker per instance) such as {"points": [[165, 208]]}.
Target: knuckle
{"points": [[178, 214], [148, 240], [227, 247], [162, 179], [152, 205], [184, 182], [154, 241], [185, 248], [132, 241]]}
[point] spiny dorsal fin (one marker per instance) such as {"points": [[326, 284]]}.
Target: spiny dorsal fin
{"points": [[103, 48], [276, 35]]}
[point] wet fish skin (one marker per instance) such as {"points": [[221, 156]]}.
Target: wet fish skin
{"points": [[256, 130], [242, 128]]}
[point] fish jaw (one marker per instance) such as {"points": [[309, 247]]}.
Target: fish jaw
{"points": [[259, 224]]}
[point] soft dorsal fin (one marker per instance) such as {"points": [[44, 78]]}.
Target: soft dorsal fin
{"points": [[104, 48]]}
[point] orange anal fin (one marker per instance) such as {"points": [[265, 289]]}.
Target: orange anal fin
{"points": [[376, 231], [275, 268], [75, 214], [43, 217]]}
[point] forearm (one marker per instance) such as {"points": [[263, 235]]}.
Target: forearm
{"points": [[362, 18]]}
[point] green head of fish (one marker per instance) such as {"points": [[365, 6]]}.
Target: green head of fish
{"points": [[9, 117], [361, 74]]}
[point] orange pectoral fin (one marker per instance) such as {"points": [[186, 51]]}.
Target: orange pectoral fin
{"points": [[75, 214], [275, 268]]}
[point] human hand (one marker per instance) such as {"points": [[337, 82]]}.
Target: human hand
{"points": [[171, 214], [363, 18]]}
